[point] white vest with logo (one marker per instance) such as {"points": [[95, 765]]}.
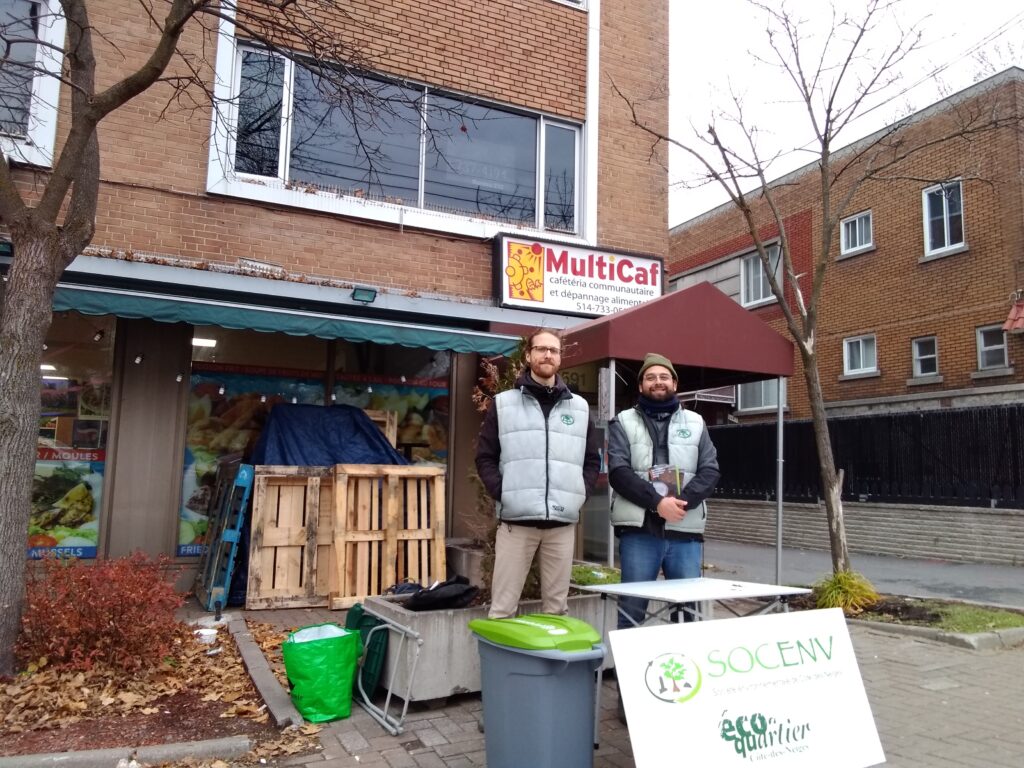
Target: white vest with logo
{"points": [[684, 432]]}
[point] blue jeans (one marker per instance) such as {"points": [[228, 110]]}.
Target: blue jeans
{"points": [[643, 556]]}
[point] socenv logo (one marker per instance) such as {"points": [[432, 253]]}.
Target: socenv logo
{"points": [[568, 420], [673, 678]]}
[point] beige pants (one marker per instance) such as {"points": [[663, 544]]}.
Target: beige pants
{"points": [[514, 548]]}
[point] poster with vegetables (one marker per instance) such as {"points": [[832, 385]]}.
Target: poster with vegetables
{"points": [[227, 408], [66, 491], [421, 405]]}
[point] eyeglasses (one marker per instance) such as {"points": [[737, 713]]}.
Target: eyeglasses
{"points": [[553, 351], [653, 377]]}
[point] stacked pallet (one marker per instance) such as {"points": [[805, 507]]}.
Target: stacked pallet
{"points": [[332, 536]]}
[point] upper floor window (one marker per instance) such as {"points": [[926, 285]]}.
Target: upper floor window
{"points": [[926, 356], [754, 286], [855, 234], [943, 218], [760, 395], [859, 355], [411, 146], [32, 35], [992, 348]]}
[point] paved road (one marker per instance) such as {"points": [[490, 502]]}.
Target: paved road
{"points": [[989, 584]]}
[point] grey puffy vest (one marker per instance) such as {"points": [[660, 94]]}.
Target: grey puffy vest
{"points": [[541, 463]]}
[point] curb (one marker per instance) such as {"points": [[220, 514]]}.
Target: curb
{"points": [[981, 641], [232, 746], [279, 703]]}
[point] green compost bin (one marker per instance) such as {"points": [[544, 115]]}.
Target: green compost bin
{"points": [[537, 678], [320, 662]]}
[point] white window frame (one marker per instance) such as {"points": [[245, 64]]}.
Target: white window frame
{"points": [[948, 247], [978, 333], [223, 180], [846, 248], [751, 260], [741, 408], [581, 5], [917, 357], [847, 342], [36, 147]]}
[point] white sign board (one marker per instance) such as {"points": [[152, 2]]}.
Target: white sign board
{"points": [[777, 690], [573, 280]]}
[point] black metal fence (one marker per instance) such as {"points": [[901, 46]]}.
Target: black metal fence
{"points": [[970, 457]]}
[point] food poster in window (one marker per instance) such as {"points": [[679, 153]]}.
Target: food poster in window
{"points": [[67, 488], [227, 408], [421, 406]]}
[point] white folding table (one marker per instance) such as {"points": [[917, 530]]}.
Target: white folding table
{"points": [[688, 595], [668, 596]]}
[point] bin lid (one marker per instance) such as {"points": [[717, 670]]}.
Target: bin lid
{"points": [[538, 632]]}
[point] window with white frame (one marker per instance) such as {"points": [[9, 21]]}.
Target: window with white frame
{"points": [[926, 356], [760, 395], [754, 286], [855, 234], [32, 32], [992, 348], [406, 145], [859, 355], [943, 218]]}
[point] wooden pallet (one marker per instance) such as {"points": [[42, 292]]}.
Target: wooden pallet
{"points": [[388, 526], [332, 536], [387, 422], [290, 550]]}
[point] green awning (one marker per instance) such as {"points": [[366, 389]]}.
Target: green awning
{"points": [[180, 309]]}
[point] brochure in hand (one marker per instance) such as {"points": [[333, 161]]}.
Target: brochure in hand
{"points": [[668, 479]]}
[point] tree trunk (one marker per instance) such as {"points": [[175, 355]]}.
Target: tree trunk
{"points": [[831, 483], [25, 318]]}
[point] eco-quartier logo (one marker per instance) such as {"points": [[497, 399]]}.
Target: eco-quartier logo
{"points": [[673, 677]]}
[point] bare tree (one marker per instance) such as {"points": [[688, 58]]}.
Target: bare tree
{"points": [[849, 75], [52, 220]]}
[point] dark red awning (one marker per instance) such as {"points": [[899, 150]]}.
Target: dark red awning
{"points": [[710, 339], [1015, 320]]}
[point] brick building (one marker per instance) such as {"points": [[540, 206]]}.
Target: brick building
{"points": [[259, 252], [924, 268]]}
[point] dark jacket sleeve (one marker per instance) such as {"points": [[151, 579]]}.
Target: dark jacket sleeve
{"points": [[623, 480], [488, 451], [592, 459], [705, 481]]}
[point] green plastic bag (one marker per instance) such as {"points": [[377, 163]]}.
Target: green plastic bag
{"points": [[375, 646], [320, 662]]}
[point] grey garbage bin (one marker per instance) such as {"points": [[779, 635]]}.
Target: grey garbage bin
{"points": [[538, 686]]}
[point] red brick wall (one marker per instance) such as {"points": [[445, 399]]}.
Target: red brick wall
{"points": [[530, 53], [633, 186], [889, 291]]}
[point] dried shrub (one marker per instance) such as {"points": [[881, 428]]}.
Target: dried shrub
{"points": [[847, 590], [116, 612]]}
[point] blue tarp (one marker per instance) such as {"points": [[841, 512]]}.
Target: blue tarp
{"points": [[314, 436]]}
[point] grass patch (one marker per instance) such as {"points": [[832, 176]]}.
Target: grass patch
{"points": [[953, 617], [589, 574]]}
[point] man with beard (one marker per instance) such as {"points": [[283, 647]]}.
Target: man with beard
{"points": [[659, 519], [537, 456]]}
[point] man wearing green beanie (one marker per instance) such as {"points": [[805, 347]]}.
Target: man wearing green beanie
{"points": [[662, 465]]}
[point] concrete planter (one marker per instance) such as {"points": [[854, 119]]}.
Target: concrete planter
{"points": [[449, 663]]}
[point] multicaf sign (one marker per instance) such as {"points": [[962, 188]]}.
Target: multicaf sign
{"points": [[779, 690], [553, 277]]}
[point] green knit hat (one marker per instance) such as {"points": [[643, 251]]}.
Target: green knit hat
{"points": [[652, 358]]}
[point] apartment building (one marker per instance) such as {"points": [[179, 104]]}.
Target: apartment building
{"points": [[282, 246], [924, 270]]}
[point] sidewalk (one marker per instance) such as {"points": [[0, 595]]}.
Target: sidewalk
{"points": [[1001, 585]]}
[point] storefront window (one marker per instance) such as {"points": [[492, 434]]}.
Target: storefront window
{"points": [[67, 488], [238, 376]]}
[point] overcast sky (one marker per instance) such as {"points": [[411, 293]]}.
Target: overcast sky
{"points": [[711, 50]]}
